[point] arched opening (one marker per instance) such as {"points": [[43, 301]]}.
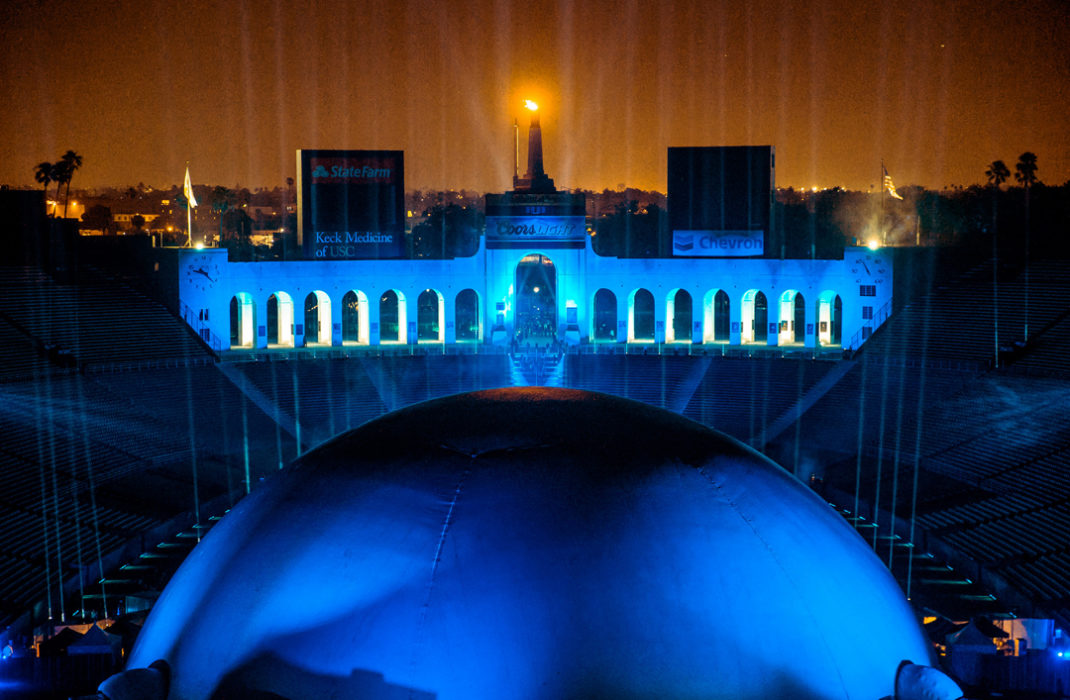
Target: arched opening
{"points": [[754, 316], [640, 316], [678, 315], [242, 321], [467, 318], [430, 317], [604, 318], [721, 316], [792, 318], [273, 320], [714, 302], [837, 321], [317, 318], [536, 299], [829, 318], [392, 319], [354, 318], [280, 320]]}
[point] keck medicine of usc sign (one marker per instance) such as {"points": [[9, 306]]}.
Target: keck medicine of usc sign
{"points": [[351, 204]]}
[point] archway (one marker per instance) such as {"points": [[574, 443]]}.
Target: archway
{"points": [[354, 318], [716, 308], [792, 318], [829, 318], [392, 317], [536, 299], [837, 321], [242, 321], [317, 318], [678, 317], [467, 318], [755, 317], [430, 317], [604, 318], [641, 316], [280, 320]]}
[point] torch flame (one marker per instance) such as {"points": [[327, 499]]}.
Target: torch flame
{"points": [[531, 105]]}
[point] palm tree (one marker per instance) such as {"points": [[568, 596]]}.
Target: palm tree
{"points": [[45, 173], [72, 161], [997, 174], [1026, 169], [222, 199], [61, 172], [1025, 172]]}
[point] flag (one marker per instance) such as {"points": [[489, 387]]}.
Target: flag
{"points": [[187, 189], [888, 186]]}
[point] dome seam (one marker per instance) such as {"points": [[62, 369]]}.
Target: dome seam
{"points": [[772, 554], [447, 521]]}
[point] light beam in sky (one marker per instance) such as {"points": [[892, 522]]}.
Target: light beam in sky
{"points": [[239, 95]]}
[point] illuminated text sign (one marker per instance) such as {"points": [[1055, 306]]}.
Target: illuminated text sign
{"points": [[351, 204], [709, 244], [510, 231]]}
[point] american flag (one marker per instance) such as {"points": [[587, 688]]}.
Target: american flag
{"points": [[888, 186]]}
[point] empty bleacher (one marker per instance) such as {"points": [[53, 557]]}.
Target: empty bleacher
{"points": [[655, 379], [993, 445], [95, 321], [90, 462], [964, 321], [326, 397], [1049, 352], [20, 358], [743, 397]]}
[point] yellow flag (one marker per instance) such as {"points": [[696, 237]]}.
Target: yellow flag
{"points": [[187, 190]]}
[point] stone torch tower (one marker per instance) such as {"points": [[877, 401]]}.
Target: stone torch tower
{"points": [[535, 179]]}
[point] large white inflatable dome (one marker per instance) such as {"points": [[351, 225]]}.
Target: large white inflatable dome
{"points": [[532, 543]]}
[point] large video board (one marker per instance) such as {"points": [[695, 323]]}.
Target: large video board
{"points": [[720, 200], [351, 204]]}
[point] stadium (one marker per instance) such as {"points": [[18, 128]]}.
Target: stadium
{"points": [[138, 409]]}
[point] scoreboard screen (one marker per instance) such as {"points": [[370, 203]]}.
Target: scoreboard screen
{"points": [[351, 204], [721, 200]]}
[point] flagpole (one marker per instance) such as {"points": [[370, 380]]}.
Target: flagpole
{"points": [[189, 209], [191, 201], [880, 221]]}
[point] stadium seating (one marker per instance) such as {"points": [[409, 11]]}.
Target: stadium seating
{"points": [[107, 398]]}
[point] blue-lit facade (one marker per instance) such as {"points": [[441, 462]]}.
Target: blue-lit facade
{"points": [[801, 298]]}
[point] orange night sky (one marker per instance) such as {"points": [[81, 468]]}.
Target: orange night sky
{"points": [[139, 87]]}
